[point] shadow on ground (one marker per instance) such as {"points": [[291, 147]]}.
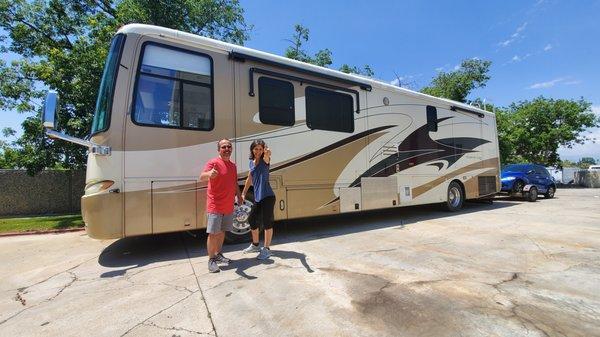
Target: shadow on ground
{"points": [[136, 252]]}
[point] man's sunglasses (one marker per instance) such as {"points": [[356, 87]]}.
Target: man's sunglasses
{"points": [[226, 146]]}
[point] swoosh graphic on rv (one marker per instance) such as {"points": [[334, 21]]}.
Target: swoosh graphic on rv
{"points": [[331, 147], [419, 148]]}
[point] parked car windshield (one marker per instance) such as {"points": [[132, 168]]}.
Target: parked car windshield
{"points": [[517, 168]]}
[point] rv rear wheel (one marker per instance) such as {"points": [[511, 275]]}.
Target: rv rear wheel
{"points": [[455, 197]]}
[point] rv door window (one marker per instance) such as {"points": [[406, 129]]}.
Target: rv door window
{"points": [[174, 89], [329, 110], [432, 124], [275, 101]]}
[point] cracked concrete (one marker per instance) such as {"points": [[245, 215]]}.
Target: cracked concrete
{"points": [[508, 269]]}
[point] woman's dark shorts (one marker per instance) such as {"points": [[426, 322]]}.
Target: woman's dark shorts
{"points": [[262, 213]]}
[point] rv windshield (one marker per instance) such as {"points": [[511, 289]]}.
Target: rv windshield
{"points": [[107, 86]]}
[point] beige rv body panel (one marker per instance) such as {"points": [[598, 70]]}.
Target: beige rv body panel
{"points": [[313, 172]]}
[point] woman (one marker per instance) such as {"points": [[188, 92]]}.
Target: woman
{"points": [[264, 198]]}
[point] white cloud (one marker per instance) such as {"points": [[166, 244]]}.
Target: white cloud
{"points": [[549, 84], [456, 67], [438, 69], [520, 29], [518, 58], [516, 35], [548, 47]]}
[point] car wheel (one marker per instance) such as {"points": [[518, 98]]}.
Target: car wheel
{"points": [[550, 192], [517, 187], [532, 194], [454, 197], [241, 226]]}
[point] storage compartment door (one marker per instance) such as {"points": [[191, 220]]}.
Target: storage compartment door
{"points": [[173, 205]]}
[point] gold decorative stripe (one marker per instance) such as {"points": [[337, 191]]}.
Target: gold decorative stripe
{"points": [[491, 163]]}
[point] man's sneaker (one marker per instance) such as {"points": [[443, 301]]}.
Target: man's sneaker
{"points": [[222, 259], [251, 249], [264, 254], [213, 267]]}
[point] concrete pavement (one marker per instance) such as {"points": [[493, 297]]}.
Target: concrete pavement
{"points": [[509, 269]]}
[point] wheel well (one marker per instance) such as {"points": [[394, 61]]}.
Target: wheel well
{"points": [[517, 180]]}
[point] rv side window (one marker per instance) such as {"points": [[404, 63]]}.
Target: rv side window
{"points": [[329, 110], [275, 101], [432, 124], [174, 89]]}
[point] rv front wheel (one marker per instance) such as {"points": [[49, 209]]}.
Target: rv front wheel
{"points": [[455, 197]]}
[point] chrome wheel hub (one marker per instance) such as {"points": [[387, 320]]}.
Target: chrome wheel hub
{"points": [[240, 218], [454, 196]]}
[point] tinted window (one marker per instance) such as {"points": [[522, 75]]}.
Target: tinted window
{"points": [[516, 168], [174, 89], [545, 172], [107, 85], [541, 170], [432, 124], [276, 101], [329, 110]]}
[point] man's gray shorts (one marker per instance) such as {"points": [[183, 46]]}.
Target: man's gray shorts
{"points": [[217, 222]]}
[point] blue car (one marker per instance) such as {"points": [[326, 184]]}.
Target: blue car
{"points": [[527, 180]]}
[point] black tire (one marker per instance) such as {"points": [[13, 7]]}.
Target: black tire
{"points": [[532, 194], [455, 197], [550, 192], [241, 227], [517, 187]]}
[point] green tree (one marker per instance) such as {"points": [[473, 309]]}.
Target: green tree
{"points": [[365, 71], [532, 131], [295, 51], [567, 163], [457, 84], [322, 58], [63, 45], [585, 162]]}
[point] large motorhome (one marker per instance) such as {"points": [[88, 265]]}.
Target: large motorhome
{"points": [[341, 143]]}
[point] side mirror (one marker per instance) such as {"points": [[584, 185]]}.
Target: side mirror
{"points": [[50, 110], [50, 123]]}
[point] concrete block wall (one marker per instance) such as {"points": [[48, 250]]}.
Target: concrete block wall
{"points": [[48, 192]]}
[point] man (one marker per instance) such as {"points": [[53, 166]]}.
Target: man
{"points": [[221, 174]]}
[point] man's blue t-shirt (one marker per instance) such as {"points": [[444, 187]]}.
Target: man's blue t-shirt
{"points": [[260, 180]]}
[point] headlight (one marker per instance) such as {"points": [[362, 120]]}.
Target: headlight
{"points": [[98, 186], [508, 179]]}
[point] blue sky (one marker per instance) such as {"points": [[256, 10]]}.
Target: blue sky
{"points": [[538, 47]]}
